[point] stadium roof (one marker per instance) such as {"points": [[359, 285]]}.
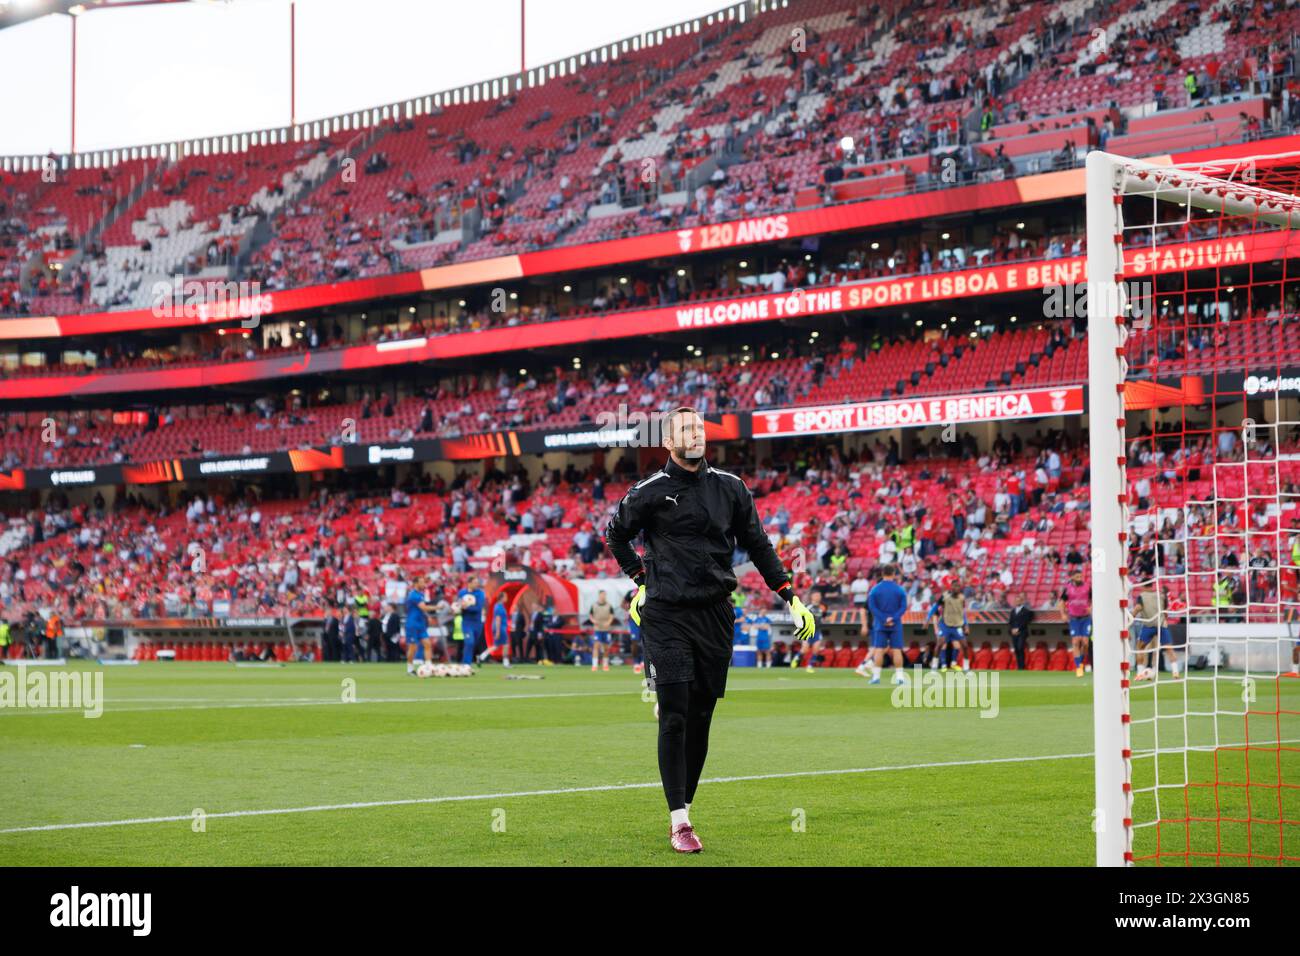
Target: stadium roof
{"points": [[17, 11]]}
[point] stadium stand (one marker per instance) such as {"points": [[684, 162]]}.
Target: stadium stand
{"points": [[1006, 519], [849, 370], [701, 128]]}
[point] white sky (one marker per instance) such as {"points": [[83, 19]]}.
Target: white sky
{"points": [[157, 74]]}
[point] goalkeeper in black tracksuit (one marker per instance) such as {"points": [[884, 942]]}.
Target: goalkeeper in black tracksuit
{"points": [[693, 516]]}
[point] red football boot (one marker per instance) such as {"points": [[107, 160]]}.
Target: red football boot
{"points": [[683, 839]]}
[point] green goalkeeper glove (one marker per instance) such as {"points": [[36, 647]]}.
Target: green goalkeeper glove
{"points": [[804, 625], [634, 609]]}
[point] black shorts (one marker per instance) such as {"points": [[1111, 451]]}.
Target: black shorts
{"points": [[688, 645]]}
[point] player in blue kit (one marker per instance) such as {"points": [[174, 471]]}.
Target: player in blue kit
{"points": [[1151, 610], [760, 628], [1076, 603], [951, 626], [500, 634], [887, 603], [417, 624], [471, 600]]}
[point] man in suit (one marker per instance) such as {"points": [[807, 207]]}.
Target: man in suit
{"points": [[28, 635], [392, 633], [1021, 615], [536, 649], [330, 637], [518, 631], [349, 629], [374, 639]]}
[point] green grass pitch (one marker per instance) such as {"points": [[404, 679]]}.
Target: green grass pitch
{"points": [[804, 769]]}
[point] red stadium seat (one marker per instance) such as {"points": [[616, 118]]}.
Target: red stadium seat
{"points": [[844, 656]]}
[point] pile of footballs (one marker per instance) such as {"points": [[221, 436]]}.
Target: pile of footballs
{"points": [[444, 670]]}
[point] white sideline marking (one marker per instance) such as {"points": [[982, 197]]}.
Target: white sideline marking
{"points": [[534, 793], [370, 804], [237, 703]]}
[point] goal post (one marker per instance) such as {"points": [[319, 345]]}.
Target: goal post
{"points": [[1193, 285], [1107, 503]]}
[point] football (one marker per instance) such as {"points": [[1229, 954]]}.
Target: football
{"points": [[424, 670]]}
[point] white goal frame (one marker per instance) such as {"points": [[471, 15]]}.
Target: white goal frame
{"points": [[1107, 178]]}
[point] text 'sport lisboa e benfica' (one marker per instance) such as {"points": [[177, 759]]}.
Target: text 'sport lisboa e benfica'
{"points": [[915, 413]]}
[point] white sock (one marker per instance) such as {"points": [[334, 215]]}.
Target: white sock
{"points": [[679, 817]]}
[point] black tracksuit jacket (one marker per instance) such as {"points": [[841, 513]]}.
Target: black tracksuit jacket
{"points": [[692, 522]]}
